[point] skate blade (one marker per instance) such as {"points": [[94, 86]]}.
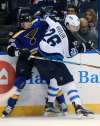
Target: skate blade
{"points": [[89, 116], [51, 114], [3, 116], [63, 114]]}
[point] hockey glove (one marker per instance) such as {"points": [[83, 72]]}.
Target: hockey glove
{"points": [[24, 53], [12, 51]]}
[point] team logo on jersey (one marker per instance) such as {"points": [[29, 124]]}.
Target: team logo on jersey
{"points": [[7, 76]]}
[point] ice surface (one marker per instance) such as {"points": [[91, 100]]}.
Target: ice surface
{"points": [[70, 120]]}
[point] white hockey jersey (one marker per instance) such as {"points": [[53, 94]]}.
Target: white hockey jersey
{"points": [[56, 41]]}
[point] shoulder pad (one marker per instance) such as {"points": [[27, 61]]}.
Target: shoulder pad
{"points": [[17, 33]]}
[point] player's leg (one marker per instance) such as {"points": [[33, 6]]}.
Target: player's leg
{"points": [[73, 94], [50, 109], [55, 101], [23, 72], [65, 80], [61, 103], [46, 70], [18, 86]]}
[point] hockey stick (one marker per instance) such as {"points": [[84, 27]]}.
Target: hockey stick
{"points": [[68, 62]]}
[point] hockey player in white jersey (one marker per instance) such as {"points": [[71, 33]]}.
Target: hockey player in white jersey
{"points": [[59, 43]]}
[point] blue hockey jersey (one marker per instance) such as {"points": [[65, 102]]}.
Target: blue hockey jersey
{"points": [[31, 37]]}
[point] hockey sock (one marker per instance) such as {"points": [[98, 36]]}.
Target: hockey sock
{"points": [[61, 100], [60, 97], [18, 86], [52, 90], [12, 100], [72, 92]]}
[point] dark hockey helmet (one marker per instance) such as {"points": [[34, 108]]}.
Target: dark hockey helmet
{"points": [[25, 17]]}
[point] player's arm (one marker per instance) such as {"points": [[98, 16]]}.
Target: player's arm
{"points": [[40, 23], [11, 48], [49, 21]]}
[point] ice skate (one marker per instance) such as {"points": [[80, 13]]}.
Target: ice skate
{"points": [[50, 110], [79, 110], [7, 111]]}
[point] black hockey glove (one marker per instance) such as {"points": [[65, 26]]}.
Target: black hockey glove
{"points": [[11, 50], [24, 53]]}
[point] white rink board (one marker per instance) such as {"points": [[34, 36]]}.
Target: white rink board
{"points": [[35, 92]]}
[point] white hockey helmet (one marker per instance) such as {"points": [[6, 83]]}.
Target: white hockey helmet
{"points": [[72, 20]]}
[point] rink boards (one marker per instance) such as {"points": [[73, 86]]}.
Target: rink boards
{"points": [[32, 98]]}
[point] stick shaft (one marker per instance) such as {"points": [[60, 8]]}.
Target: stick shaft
{"points": [[68, 62]]}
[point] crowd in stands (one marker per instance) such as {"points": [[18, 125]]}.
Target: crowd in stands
{"points": [[86, 10]]}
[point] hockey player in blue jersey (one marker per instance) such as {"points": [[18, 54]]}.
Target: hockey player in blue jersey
{"points": [[20, 45]]}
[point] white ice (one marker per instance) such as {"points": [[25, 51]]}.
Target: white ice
{"points": [[70, 120]]}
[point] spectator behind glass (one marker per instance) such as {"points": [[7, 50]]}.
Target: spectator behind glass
{"points": [[91, 17], [86, 33], [72, 9]]}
